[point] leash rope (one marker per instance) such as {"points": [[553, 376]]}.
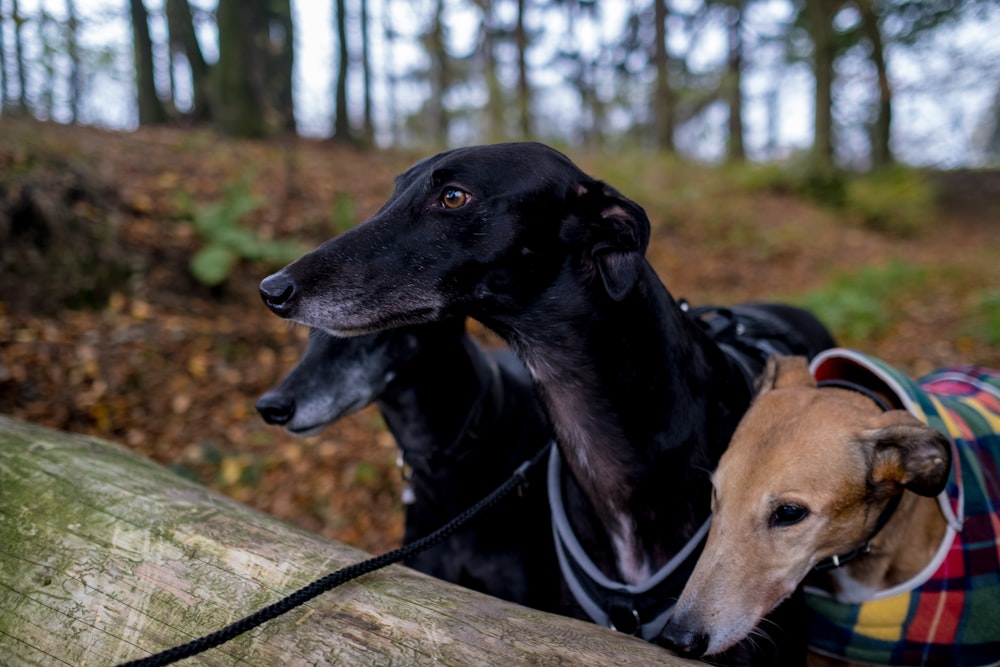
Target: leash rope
{"points": [[341, 576]]}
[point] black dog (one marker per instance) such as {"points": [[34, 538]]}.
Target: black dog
{"points": [[464, 420], [642, 400]]}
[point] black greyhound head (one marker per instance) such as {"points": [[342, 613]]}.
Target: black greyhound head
{"points": [[336, 377], [478, 228]]}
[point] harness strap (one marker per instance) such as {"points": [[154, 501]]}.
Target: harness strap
{"points": [[747, 335], [637, 609]]}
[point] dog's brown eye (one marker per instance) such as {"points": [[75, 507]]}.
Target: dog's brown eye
{"points": [[787, 515], [454, 198]]}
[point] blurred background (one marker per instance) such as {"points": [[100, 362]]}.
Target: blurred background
{"points": [[863, 81], [158, 158]]}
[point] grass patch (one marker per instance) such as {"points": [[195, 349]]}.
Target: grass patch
{"points": [[861, 305], [896, 201], [714, 204], [984, 317], [343, 216]]}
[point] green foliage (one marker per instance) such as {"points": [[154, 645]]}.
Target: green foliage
{"points": [[984, 317], [860, 305], [897, 200], [798, 176], [343, 217], [226, 241]]}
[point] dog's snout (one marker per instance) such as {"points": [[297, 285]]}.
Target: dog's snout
{"points": [[685, 641], [276, 408], [278, 291]]}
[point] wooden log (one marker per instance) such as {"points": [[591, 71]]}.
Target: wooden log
{"points": [[107, 557]]}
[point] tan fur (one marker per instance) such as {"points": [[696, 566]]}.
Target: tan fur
{"points": [[836, 453]]}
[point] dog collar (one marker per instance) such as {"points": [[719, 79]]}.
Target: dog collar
{"points": [[637, 609], [861, 389], [837, 560]]}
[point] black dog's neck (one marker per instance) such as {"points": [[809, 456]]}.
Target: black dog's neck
{"points": [[643, 403], [440, 403]]}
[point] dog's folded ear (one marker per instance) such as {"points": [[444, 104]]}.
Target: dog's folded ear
{"points": [[617, 234], [784, 371], [908, 453]]}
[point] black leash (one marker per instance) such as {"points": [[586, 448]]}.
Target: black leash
{"points": [[337, 578]]}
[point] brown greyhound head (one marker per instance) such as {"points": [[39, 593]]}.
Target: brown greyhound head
{"points": [[806, 477]]}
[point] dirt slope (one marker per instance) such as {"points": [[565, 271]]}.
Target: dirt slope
{"points": [[172, 368]]}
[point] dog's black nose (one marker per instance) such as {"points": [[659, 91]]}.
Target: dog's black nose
{"points": [[276, 408], [685, 642], [278, 292]]}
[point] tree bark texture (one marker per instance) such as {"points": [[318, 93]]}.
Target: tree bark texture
{"points": [[663, 95], [183, 39], [240, 73], [151, 109], [735, 151], [820, 20], [881, 148], [341, 122], [106, 557]]}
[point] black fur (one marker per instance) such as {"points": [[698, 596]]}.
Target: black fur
{"points": [[464, 420], [642, 401]]}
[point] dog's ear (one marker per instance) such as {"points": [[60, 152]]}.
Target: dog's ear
{"points": [[908, 453], [784, 371], [618, 233]]}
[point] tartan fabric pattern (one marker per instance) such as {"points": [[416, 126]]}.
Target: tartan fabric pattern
{"points": [[950, 613]]}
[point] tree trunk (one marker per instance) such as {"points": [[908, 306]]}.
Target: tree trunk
{"points": [[107, 557], [45, 95], [495, 125], [277, 31], [368, 124], [881, 151], [523, 87], [663, 98], [239, 109], [183, 39], [3, 61], [22, 76], [735, 151], [820, 15], [389, 33], [151, 109], [993, 139], [341, 122], [73, 51], [434, 44]]}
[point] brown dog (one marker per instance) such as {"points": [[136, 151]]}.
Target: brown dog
{"points": [[836, 486]]}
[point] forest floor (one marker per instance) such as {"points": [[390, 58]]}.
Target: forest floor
{"points": [[171, 369]]}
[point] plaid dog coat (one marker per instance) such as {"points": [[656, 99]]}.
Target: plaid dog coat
{"points": [[949, 614]]}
